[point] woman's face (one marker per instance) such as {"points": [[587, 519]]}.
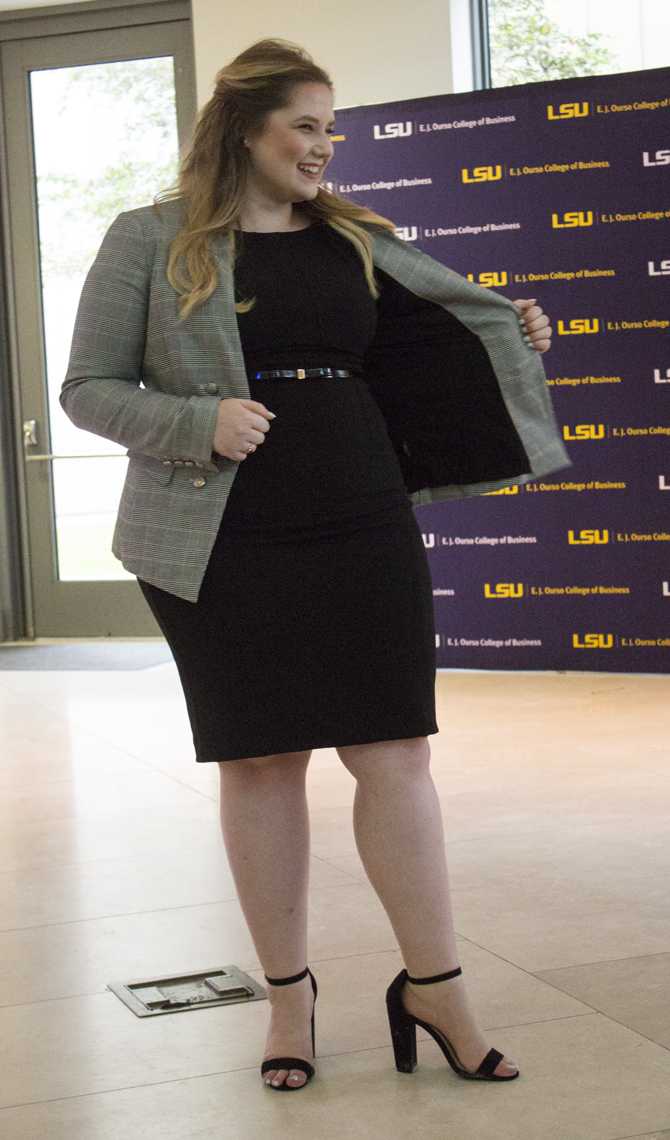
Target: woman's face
{"points": [[293, 135]]}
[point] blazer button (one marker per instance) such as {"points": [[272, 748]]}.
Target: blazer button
{"points": [[199, 482], [211, 387]]}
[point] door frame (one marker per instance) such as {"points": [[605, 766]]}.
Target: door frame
{"points": [[33, 602]]}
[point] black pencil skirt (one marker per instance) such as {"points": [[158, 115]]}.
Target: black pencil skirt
{"points": [[314, 623]]}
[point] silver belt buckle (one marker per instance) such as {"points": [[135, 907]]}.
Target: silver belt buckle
{"points": [[301, 373]]}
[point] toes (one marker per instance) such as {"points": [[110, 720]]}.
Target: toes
{"points": [[278, 1076], [505, 1068]]}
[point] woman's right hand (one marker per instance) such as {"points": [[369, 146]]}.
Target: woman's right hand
{"points": [[239, 424]]}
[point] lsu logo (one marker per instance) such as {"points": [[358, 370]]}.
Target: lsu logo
{"points": [[664, 271], [482, 174], [663, 483], [584, 431], [593, 641], [588, 538], [666, 590], [392, 130], [503, 590], [578, 326], [503, 491], [572, 219], [658, 379], [407, 233], [661, 158], [493, 279], [568, 111]]}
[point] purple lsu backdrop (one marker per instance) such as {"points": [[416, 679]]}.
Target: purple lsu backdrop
{"points": [[559, 191]]}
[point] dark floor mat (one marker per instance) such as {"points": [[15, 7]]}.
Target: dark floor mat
{"points": [[105, 654]]}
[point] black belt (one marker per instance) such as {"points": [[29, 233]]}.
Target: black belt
{"points": [[301, 373]]}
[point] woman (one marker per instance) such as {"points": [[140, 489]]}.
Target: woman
{"points": [[314, 369]]}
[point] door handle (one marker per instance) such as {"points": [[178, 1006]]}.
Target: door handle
{"points": [[50, 455], [29, 433], [30, 440]]}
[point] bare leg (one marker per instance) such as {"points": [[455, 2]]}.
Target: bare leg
{"points": [[265, 827], [400, 839]]}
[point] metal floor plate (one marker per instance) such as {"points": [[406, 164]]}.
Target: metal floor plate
{"points": [[176, 993]]}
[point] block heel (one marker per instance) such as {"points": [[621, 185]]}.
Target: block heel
{"points": [[403, 1029]]}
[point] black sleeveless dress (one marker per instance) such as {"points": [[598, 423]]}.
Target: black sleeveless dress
{"points": [[314, 623]]}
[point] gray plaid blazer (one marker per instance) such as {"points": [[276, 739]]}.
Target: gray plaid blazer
{"points": [[480, 420]]}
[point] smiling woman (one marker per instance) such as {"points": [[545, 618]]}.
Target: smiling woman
{"points": [[271, 114], [288, 573], [289, 141]]}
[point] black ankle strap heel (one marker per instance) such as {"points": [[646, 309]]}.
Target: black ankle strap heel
{"points": [[292, 1062], [403, 1033]]}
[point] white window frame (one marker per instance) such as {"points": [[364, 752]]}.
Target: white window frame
{"points": [[470, 53]]}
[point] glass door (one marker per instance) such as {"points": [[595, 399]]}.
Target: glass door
{"points": [[93, 130]]}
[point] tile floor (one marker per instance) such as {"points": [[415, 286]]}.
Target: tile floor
{"points": [[555, 791]]}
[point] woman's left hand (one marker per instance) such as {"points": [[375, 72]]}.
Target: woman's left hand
{"points": [[535, 323]]}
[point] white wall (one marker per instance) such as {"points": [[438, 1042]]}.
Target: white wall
{"points": [[375, 51]]}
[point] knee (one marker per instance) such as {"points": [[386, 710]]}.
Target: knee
{"points": [[386, 759]]}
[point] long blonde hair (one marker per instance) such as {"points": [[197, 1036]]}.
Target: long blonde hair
{"points": [[213, 173]]}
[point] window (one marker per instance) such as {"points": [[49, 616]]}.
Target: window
{"points": [[528, 41]]}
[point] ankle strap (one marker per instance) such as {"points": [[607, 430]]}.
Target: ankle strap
{"points": [[435, 977], [285, 981]]}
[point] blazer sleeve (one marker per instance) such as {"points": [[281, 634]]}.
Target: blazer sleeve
{"points": [[101, 392]]}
